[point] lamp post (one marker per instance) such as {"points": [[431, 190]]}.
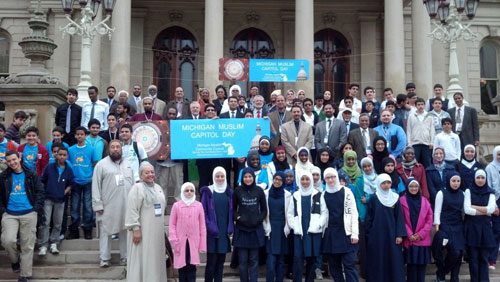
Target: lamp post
{"points": [[87, 29], [448, 16]]}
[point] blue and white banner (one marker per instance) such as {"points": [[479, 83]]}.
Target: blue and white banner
{"points": [[215, 138], [278, 70]]}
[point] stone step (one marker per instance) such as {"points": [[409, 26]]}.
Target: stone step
{"points": [[70, 272], [65, 257]]}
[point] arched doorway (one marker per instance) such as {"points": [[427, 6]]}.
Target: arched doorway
{"points": [[331, 63], [4, 53], [175, 62], [253, 43]]}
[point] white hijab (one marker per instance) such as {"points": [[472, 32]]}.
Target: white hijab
{"points": [[186, 200], [336, 187], [216, 187], [369, 180], [470, 164], [305, 191], [300, 166], [386, 198], [319, 184], [495, 162]]}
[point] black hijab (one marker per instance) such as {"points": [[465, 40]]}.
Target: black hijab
{"points": [[280, 165], [278, 192], [245, 171], [265, 138], [414, 203], [322, 166], [379, 156], [394, 174]]}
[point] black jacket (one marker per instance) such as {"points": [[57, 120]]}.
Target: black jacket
{"points": [[250, 208], [76, 116], [34, 189]]}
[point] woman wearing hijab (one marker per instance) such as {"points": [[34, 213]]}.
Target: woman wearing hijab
{"points": [[468, 166], [397, 184], [324, 159], [276, 228], [479, 205], [437, 173], [265, 153], [340, 240], [364, 189], [493, 178], [448, 244], [385, 230], [187, 233], [145, 222], [250, 210], [317, 179], [351, 167], [217, 201], [253, 163], [290, 185], [303, 164], [418, 217], [339, 162], [306, 216], [379, 153], [279, 162], [410, 168]]}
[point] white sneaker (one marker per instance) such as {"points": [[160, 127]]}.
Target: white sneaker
{"points": [[42, 251], [53, 249], [104, 263]]}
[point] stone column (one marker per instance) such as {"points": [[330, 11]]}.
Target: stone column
{"points": [[120, 45], [96, 51], [394, 52], [304, 41], [421, 49], [214, 43], [137, 45], [368, 34]]}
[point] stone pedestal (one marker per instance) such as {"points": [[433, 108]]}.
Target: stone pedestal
{"points": [[40, 101]]}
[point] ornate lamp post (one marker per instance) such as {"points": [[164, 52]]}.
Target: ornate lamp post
{"points": [[87, 29], [449, 28]]}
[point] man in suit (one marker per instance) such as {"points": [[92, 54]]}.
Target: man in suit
{"points": [[346, 116], [180, 103], [69, 116], [277, 119], [158, 105], [135, 98], [331, 132], [111, 92], [259, 107], [465, 120], [233, 112], [361, 138], [295, 134]]}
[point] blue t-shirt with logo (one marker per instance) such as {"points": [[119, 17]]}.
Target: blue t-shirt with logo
{"points": [[30, 153], [3, 148], [19, 203], [48, 146], [82, 158]]}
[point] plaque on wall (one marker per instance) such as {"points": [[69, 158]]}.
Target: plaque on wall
{"points": [[154, 136]]}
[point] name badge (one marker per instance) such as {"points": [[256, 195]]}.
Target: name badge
{"points": [[325, 140], [279, 129], [157, 210], [119, 180], [296, 140]]}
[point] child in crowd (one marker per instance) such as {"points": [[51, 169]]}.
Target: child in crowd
{"points": [[437, 173], [5, 146], [35, 157], [384, 232], [324, 159], [411, 168], [397, 184], [379, 153], [350, 167], [468, 166], [57, 136], [448, 244], [95, 141], [57, 178], [449, 141], [303, 164], [265, 152], [418, 217], [187, 233], [112, 132], [279, 162], [493, 180], [260, 172], [339, 162], [290, 184], [317, 181]]}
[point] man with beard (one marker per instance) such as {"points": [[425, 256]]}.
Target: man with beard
{"points": [[148, 114], [111, 183]]}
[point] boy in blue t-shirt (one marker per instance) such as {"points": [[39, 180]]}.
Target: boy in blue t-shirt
{"points": [[57, 136], [82, 158], [94, 140]]}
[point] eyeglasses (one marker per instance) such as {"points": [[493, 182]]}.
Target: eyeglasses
{"points": [[209, 110], [189, 190]]}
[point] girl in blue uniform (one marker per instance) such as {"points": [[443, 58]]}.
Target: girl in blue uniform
{"points": [[468, 166], [306, 216], [448, 244], [340, 240], [479, 204], [276, 228]]}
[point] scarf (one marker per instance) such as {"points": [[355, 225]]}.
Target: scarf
{"points": [[277, 192], [369, 180], [495, 162], [394, 174], [264, 139], [336, 186], [449, 176], [305, 191], [414, 203], [386, 198], [247, 170], [280, 165], [322, 166], [186, 200], [253, 153], [409, 165], [300, 165], [352, 171], [480, 190], [291, 187], [216, 187], [469, 163], [379, 156]]}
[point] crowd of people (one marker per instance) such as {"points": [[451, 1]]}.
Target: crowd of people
{"points": [[387, 184]]}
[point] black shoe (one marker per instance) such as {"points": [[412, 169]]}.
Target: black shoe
{"points": [[22, 279], [73, 235], [16, 267], [88, 234]]}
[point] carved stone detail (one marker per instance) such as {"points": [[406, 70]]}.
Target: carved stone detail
{"points": [[175, 15], [252, 17]]}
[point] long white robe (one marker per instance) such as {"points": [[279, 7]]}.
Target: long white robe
{"points": [[111, 183], [146, 260]]}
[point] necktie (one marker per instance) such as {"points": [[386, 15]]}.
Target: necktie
{"points": [[258, 114], [110, 101], [92, 111], [458, 118], [329, 123], [367, 143], [68, 119], [232, 114]]}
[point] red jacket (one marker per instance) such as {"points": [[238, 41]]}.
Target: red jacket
{"points": [[424, 224], [42, 162], [418, 172]]}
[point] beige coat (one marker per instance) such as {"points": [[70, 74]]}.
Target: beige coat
{"points": [[293, 141]]}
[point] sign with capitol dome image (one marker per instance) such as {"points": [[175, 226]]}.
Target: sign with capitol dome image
{"points": [[216, 138]]}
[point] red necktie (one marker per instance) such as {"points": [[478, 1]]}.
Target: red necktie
{"points": [[258, 114]]}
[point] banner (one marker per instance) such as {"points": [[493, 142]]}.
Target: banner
{"points": [[278, 70], [216, 138]]}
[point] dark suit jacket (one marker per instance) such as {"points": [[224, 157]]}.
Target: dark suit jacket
{"points": [[114, 102], [76, 118], [337, 135], [227, 115], [185, 108], [352, 126], [131, 102], [357, 141], [470, 125]]}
